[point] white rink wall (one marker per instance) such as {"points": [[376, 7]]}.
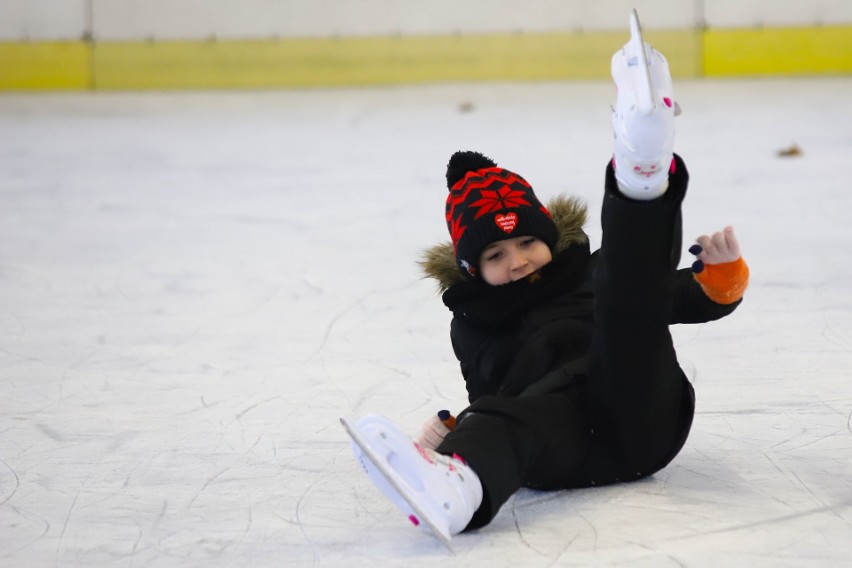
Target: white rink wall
{"points": [[129, 20]]}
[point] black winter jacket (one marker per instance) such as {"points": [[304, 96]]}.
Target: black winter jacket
{"points": [[533, 336]]}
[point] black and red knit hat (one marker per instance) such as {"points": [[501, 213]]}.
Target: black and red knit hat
{"points": [[488, 204]]}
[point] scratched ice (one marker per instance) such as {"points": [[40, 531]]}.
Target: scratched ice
{"points": [[196, 286]]}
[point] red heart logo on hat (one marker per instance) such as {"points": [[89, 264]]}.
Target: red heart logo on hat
{"points": [[507, 222]]}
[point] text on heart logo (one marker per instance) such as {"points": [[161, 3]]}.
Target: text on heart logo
{"points": [[507, 222]]}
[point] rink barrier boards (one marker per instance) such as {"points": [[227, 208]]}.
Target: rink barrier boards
{"points": [[359, 61]]}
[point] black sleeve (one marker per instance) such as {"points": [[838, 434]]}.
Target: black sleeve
{"points": [[482, 358], [691, 304]]}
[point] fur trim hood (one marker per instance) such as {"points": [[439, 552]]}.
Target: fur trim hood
{"points": [[569, 216]]}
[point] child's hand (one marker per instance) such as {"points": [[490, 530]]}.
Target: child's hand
{"points": [[719, 266], [718, 248], [432, 433]]}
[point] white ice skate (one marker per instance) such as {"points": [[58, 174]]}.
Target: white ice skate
{"points": [[431, 489], [643, 117]]}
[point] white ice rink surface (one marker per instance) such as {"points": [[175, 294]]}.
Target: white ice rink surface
{"points": [[196, 286]]}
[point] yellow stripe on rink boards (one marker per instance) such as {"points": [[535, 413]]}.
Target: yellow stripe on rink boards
{"points": [[324, 62], [337, 62], [45, 65], [330, 62], [370, 61], [778, 51]]}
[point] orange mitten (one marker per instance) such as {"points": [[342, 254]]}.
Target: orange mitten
{"points": [[723, 283]]}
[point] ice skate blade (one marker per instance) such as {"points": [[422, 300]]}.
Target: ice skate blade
{"points": [[646, 101], [391, 478]]}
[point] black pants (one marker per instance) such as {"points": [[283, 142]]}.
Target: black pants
{"points": [[633, 413]]}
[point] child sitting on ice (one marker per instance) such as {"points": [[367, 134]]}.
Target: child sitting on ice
{"points": [[570, 370]]}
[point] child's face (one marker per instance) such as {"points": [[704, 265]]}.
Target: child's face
{"points": [[506, 261]]}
